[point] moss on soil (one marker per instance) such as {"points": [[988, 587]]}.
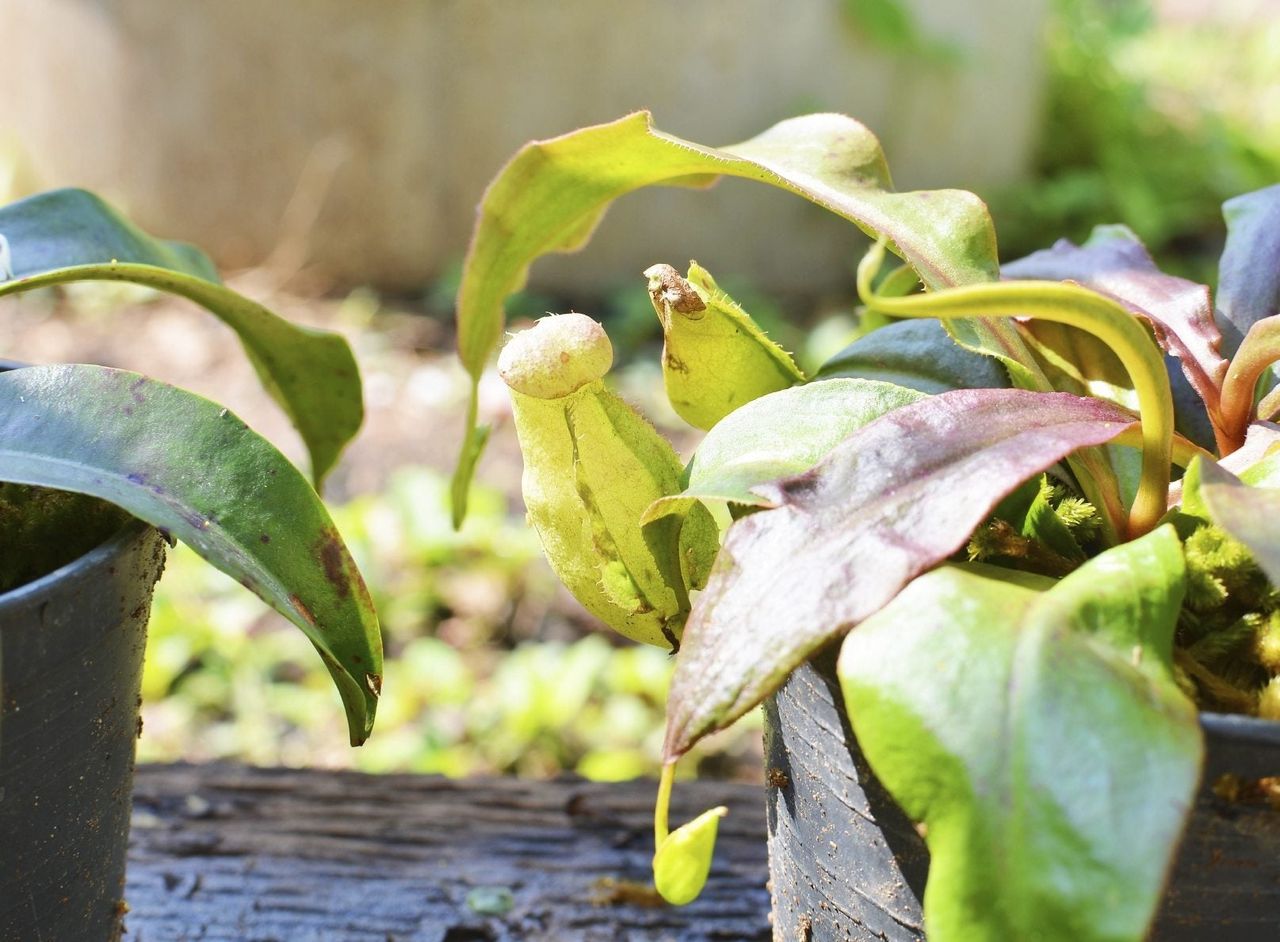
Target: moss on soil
{"points": [[41, 530]]}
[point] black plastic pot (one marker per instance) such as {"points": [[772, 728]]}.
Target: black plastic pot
{"points": [[71, 648], [846, 864]]}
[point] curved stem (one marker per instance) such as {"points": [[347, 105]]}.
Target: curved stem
{"points": [[1070, 304], [1258, 351], [1183, 449]]}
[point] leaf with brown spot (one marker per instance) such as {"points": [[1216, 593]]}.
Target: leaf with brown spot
{"points": [[185, 465]]}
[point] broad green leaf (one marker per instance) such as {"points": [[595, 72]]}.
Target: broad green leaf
{"points": [[1005, 719], [714, 356], [553, 192], [776, 436], [1114, 262], [191, 468], [897, 497], [918, 354], [1250, 514], [71, 235], [683, 860], [1249, 272]]}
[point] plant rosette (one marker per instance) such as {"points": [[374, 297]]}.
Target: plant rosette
{"points": [[89, 457], [1036, 502]]}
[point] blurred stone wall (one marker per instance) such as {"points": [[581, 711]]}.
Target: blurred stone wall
{"points": [[381, 121]]}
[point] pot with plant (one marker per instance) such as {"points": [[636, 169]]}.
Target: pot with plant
{"points": [[998, 571], [98, 467]]}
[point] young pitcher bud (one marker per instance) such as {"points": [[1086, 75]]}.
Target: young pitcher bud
{"points": [[560, 354], [592, 466], [715, 357]]}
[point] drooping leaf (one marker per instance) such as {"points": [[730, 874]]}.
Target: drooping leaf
{"points": [[551, 195], [894, 499], [1249, 272], [918, 354], [1003, 715], [1250, 514], [70, 235], [714, 356], [1179, 311], [193, 469]]}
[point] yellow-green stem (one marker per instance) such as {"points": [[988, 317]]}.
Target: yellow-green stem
{"points": [[1183, 450], [662, 808], [1075, 306]]}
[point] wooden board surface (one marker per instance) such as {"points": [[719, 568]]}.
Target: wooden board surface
{"points": [[232, 854]]}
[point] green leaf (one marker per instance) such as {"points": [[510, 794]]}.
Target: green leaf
{"points": [[552, 194], [683, 860], [1004, 714], [895, 498], [71, 235], [1250, 514], [776, 436], [918, 354], [189, 467]]}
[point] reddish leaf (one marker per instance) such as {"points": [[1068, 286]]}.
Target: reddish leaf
{"points": [[895, 498], [1179, 311]]}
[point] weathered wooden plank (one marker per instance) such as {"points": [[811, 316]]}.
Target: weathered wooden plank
{"points": [[232, 854]]}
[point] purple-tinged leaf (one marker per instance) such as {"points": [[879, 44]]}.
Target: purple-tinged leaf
{"points": [[1249, 273], [1113, 262], [894, 499]]}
